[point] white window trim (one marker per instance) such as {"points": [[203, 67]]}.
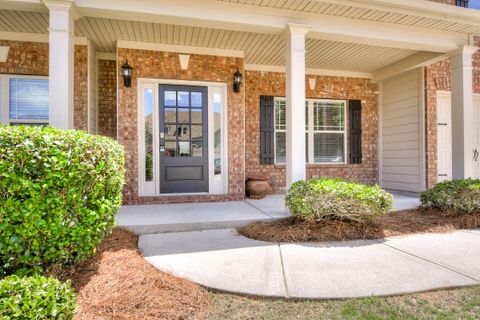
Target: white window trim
{"points": [[5, 99], [311, 131], [216, 185]]}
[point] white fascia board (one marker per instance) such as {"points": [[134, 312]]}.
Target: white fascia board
{"points": [[35, 37], [426, 9], [311, 71], [237, 17], [23, 36], [414, 61], [179, 49], [23, 5]]}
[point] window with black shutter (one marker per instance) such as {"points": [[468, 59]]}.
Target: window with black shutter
{"points": [[355, 131], [267, 130]]}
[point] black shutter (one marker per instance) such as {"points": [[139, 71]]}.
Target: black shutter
{"points": [[267, 130], [355, 131]]}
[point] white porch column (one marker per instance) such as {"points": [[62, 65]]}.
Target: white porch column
{"points": [[462, 112], [60, 70], [295, 59]]}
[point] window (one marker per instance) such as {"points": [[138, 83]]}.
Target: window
{"points": [[24, 100], [325, 134], [280, 131], [329, 131]]}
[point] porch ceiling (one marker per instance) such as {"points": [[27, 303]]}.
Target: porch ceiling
{"points": [[259, 48], [376, 11]]}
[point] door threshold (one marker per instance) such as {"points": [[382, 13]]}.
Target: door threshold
{"points": [[183, 194]]}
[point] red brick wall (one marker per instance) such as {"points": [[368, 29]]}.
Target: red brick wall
{"points": [[31, 58], [273, 84], [80, 88], [107, 98], [437, 78], [164, 65]]}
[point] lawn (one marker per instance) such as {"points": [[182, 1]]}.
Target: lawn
{"points": [[444, 304]]}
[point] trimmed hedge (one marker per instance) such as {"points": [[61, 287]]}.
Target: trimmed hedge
{"points": [[457, 195], [36, 298], [59, 192], [327, 199]]}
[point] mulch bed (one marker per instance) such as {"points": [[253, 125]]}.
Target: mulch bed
{"points": [[393, 224], [117, 283]]}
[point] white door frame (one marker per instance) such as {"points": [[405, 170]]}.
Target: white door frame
{"points": [[218, 184]]}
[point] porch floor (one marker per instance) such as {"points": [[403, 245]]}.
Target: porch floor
{"points": [[149, 219]]}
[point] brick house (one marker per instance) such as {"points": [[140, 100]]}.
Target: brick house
{"points": [[376, 91]]}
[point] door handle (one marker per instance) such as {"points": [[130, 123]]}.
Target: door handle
{"points": [[475, 155]]}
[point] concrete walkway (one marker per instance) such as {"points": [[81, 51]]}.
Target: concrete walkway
{"points": [[224, 260], [149, 219]]}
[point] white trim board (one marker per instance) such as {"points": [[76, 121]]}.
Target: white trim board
{"points": [[179, 49], [35, 37], [311, 71], [106, 56]]}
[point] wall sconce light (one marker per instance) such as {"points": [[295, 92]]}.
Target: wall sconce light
{"points": [[237, 81], [312, 82], [127, 74]]}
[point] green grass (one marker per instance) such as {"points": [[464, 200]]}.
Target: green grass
{"points": [[443, 305]]}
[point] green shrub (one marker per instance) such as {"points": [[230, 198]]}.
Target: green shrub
{"points": [[324, 199], [457, 195], [36, 298], [59, 192]]}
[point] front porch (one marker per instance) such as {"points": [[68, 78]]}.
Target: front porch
{"points": [[329, 89], [166, 218]]}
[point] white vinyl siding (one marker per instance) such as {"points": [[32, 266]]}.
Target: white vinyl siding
{"points": [[402, 164]]}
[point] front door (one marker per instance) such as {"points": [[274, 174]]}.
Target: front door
{"points": [[183, 116], [444, 136]]}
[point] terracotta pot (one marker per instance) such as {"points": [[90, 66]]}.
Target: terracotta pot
{"points": [[257, 187]]}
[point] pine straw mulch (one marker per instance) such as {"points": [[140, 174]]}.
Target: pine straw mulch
{"points": [[117, 283], [392, 224]]}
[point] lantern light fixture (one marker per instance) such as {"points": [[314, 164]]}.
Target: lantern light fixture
{"points": [[127, 74], [237, 81]]}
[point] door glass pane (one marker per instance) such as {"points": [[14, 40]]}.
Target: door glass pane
{"points": [[183, 132], [28, 99], [170, 115], [280, 147], [170, 149], [184, 149], [328, 147], [196, 99], [183, 115], [197, 132], [170, 98], [170, 132], [196, 116], [217, 129], [197, 150], [148, 113], [183, 99]]}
